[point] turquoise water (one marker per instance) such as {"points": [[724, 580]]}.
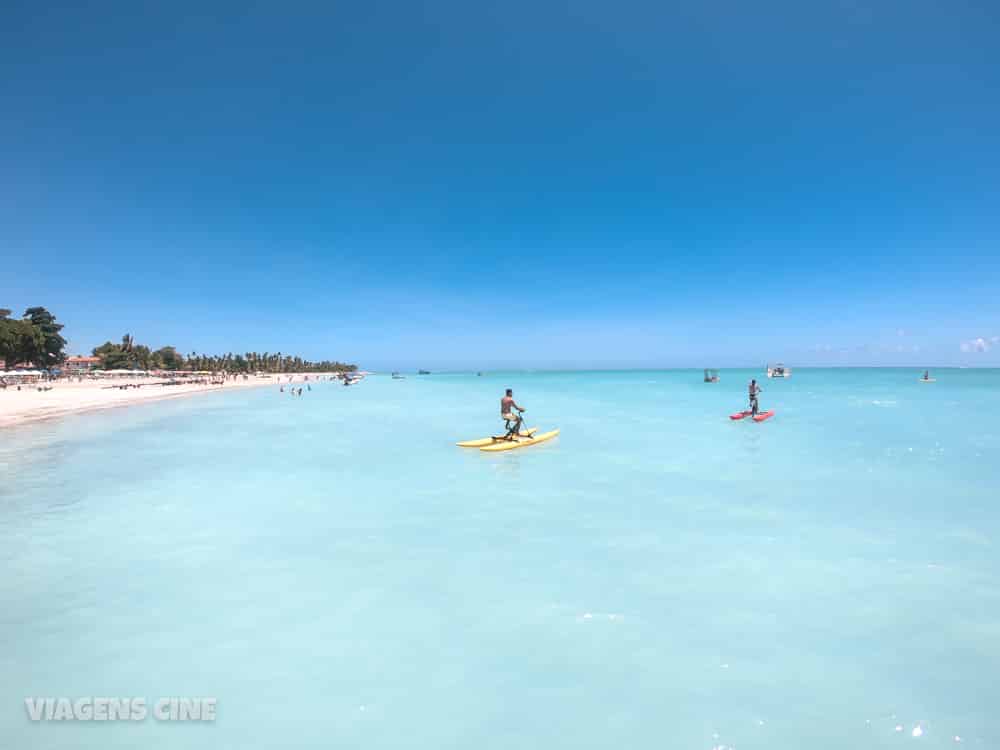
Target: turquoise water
{"points": [[339, 575]]}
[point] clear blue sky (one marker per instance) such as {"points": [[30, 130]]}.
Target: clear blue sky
{"points": [[535, 184]]}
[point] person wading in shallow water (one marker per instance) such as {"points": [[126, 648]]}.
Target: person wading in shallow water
{"points": [[507, 408]]}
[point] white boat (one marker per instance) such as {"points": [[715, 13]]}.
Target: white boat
{"points": [[779, 371]]}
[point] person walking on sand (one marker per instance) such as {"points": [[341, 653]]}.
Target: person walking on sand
{"points": [[507, 409]]}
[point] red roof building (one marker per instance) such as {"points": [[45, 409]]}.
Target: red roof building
{"points": [[81, 364]]}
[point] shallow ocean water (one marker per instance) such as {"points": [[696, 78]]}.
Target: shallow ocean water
{"points": [[337, 573]]}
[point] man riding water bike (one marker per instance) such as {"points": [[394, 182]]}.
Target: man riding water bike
{"points": [[507, 408], [754, 390]]}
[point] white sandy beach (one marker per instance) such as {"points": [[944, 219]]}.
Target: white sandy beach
{"points": [[29, 404]]}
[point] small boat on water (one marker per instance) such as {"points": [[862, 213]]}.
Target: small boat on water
{"points": [[779, 371], [423, 372], [711, 376], [397, 376]]}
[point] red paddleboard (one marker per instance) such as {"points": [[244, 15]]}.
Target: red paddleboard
{"points": [[741, 415], [762, 417]]}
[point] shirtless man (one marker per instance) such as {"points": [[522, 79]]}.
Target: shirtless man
{"points": [[754, 390], [507, 408]]}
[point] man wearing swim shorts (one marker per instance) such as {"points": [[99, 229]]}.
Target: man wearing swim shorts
{"points": [[507, 408], [754, 390]]}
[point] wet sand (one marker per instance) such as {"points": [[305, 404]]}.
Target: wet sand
{"points": [[30, 405]]}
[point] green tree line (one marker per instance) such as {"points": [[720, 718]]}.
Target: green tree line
{"points": [[35, 339], [128, 356]]}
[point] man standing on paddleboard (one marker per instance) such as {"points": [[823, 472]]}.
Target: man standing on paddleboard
{"points": [[754, 390], [507, 408]]}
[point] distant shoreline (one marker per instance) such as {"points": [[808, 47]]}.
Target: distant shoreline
{"points": [[29, 405], [686, 368]]}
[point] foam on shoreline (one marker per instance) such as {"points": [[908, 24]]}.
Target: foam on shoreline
{"points": [[66, 398]]}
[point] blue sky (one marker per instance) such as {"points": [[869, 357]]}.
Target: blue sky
{"points": [[527, 184]]}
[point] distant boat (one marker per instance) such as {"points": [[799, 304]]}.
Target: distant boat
{"points": [[779, 371], [479, 374], [423, 372], [397, 376], [711, 376]]}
